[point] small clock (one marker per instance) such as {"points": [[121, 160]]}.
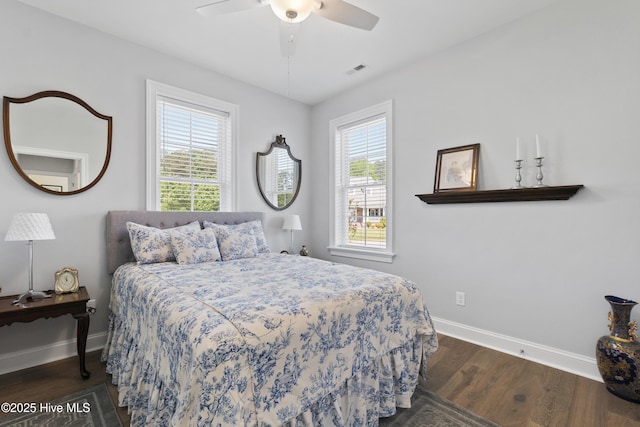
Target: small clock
{"points": [[67, 280]]}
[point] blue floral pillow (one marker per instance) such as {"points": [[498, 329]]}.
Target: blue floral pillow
{"points": [[152, 244], [252, 227], [256, 228], [194, 246], [234, 242]]}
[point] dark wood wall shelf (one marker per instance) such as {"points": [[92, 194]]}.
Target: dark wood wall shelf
{"points": [[563, 192]]}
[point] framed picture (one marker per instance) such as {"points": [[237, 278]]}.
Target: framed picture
{"points": [[457, 169]]}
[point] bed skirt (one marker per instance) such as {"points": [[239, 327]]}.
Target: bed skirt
{"points": [[372, 392]]}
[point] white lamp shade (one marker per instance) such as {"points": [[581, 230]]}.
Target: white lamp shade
{"points": [[292, 222], [293, 11], [29, 226]]}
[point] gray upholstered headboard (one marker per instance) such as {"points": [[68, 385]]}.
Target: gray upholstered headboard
{"points": [[118, 247]]}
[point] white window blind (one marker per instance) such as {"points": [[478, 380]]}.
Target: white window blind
{"points": [[282, 167], [193, 156], [362, 197]]}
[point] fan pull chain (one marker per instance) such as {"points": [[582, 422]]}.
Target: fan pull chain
{"points": [[288, 74], [289, 43]]}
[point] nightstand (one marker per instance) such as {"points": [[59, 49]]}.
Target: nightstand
{"points": [[58, 305]]}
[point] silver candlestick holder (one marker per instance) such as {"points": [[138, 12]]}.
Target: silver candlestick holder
{"points": [[518, 178], [539, 175]]}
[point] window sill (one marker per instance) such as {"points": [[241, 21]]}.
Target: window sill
{"points": [[365, 254]]}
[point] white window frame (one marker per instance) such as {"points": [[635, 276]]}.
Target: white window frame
{"points": [[156, 89], [336, 247]]}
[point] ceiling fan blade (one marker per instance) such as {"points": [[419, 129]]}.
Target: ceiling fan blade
{"points": [[348, 14], [288, 38], [222, 7]]}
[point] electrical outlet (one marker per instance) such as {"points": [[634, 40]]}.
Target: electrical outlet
{"points": [[91, 306], [460, 298]]}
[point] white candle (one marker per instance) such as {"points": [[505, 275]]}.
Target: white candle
{"points": [[518, 149], [538, 153]]}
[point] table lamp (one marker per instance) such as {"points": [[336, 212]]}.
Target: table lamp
{"points": [[292, 222], [27, 227]]}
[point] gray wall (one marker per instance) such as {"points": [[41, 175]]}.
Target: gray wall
{"points": [[534, 273], [43, 52], [537, 271]]}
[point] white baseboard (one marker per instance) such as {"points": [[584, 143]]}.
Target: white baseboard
{"points": [[35, 356], [549, 356]]}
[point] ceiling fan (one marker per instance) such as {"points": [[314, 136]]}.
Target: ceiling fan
{"points": [[293, 12]]}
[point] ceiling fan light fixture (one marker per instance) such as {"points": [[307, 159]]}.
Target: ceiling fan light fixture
{"points": [[293, 11]]}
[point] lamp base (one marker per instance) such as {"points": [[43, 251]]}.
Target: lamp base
{"points": [[30, 295]]}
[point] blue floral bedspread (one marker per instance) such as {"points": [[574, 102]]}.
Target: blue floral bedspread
{"points": [[267, 341]]}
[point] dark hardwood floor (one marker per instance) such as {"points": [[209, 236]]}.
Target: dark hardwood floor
{"points": [[512, 391], [505, 389], [48, 382]]}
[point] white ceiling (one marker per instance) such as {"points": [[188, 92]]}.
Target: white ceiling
{"points": [[246, 45]]}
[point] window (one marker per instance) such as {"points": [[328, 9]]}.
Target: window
{"points": [[361, 172], [190, 147]]}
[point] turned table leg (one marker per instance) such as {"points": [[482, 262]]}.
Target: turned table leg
{"points": [[83, 330]]}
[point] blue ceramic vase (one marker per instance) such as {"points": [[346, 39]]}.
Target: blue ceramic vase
{"points": [[618, 354]]}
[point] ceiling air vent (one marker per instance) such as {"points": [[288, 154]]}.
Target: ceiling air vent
{"points": [[357, 68]]}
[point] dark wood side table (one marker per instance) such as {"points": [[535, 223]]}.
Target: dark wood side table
{"points": [[74, 304]]}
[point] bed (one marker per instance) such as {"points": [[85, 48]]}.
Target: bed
{"points": [[254, 338]]}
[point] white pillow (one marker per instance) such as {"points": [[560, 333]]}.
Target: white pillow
{"points": [[234, 242], [151, 244], [194, 246]]}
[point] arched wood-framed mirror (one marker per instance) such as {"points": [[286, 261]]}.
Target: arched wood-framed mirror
{"points": [[56, 141], [279, 174]]}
